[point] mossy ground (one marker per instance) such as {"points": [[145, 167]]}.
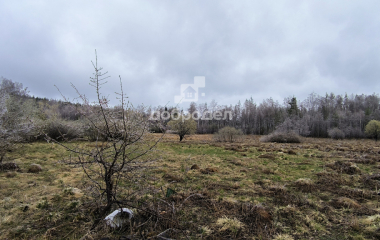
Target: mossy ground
{"points": [[318, 189]]}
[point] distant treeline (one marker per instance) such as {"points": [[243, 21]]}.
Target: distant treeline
{"points": [[312, 117]]}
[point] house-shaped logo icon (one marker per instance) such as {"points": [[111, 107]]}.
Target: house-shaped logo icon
{"points": [[189, 93]]}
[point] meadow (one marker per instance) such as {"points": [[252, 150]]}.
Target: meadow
{"points": [[203, 189]]}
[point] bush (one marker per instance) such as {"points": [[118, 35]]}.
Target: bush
{"points": [[94, 132], [353, 132], [373, 129], [336, 133], [9, 166], [183, 126], [59, 130], [282, 137], [228, 134], [98, 130]]}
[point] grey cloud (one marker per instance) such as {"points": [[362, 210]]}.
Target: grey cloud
{"points": [[243, 48]]}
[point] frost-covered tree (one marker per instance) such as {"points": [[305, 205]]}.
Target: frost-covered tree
{"points": [[297, 125], [14, 112]]}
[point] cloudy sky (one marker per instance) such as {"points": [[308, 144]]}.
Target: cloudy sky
{"points": [[244, 49]]}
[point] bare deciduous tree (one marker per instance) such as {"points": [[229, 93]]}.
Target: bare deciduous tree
{"points": [[14, 125], [183, 125], [115, 162]]}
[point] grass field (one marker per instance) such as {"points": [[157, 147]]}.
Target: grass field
{"points": [[318, 189]]}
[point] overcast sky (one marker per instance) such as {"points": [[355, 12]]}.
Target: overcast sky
{"points": [[244, 49]]}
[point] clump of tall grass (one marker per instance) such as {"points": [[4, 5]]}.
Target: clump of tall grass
{"points": [[282, 137]]}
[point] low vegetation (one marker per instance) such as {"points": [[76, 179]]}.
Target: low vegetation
{"points": [[336, 133], [282, 137], [373, 129], [320, 188], [182, 125], [228, 134]]}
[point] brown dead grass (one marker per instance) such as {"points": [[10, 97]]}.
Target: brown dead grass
{"points": [[268, 156], [237, 162], [344, 202], [292, 152], [258, 218], [209, 170], [305, 184], [344, 167], [308, 194], [268, 171], [195, 166], [172, 178]]}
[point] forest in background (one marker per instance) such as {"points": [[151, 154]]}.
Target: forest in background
{"points": [[25, 115], [312, 117]]}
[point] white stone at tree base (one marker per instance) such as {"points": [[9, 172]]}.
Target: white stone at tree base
{"points": [[115, 220]]}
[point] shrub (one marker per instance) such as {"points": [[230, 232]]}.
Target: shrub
{"points": [[94, 132], [282, 137], [9, 166], [336, 133], [353, 132], [228, 134], [59, 130], [295, 124], [373, 129], [183, 126], [97, 131]]}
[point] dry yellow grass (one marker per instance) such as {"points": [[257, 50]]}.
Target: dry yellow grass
{"points": [[346, 202], [236, 177], [230, 224]]}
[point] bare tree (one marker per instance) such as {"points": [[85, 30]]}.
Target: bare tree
{"points": [[183, 125], [115, 162], [14, 125], [192, 108]]}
